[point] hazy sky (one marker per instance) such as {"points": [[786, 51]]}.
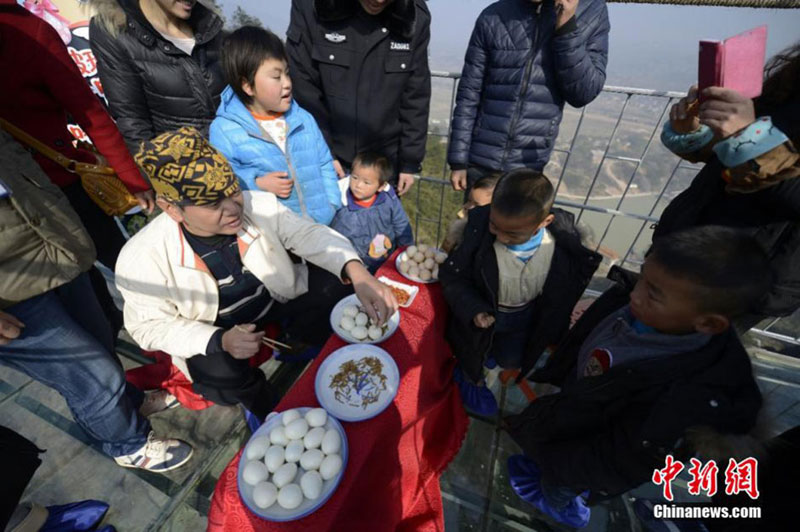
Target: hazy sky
{"points": [[651, 46]]}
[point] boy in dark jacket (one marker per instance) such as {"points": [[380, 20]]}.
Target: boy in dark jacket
{"points": [[373, 217], [525, 60], [512, 282], [647, 361]]}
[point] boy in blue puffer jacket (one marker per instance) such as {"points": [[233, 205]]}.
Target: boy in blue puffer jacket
{"points": [[373, 217], [271, 142]]}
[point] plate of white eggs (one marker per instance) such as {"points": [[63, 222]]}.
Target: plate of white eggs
{"points": [[420, 263], [292, 464], [350, 323]]}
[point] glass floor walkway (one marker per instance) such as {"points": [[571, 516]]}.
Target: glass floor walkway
{"points": [[475, 489]]}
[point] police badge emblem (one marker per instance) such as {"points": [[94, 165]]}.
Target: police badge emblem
{"points": [[335, 37]]}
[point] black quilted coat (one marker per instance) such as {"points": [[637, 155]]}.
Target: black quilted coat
{"points": [[151, 85], [518, 72]]}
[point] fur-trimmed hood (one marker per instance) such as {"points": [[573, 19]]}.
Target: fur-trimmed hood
{"points": [[400, 17], [110, 14]]}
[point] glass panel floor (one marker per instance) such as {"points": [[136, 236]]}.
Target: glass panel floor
{"points": [[475, 489]]}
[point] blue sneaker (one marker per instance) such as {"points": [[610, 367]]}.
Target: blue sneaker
{"points": [[477, 399], [253, 423], [76, 516], [490, 363], [525, 479]]}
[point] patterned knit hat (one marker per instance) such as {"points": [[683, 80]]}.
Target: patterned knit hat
{"points": [[185, 169]]}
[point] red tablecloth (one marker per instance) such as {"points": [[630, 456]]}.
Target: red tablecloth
{"points": [[392, 477]]}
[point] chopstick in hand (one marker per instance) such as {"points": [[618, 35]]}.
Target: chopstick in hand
{"points": [[274, 344], [269, 342]]}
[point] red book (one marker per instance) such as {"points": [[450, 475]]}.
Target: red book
{"points": [[736, 63]]}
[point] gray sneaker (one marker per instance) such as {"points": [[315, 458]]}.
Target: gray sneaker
{"points": [[157, 455]]}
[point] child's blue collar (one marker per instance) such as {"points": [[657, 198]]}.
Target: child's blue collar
{"points": [[532, 243]]}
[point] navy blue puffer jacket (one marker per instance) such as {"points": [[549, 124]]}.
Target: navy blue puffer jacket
{"points": [[518, 72]]}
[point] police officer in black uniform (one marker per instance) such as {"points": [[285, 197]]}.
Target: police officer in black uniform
{"points": [[361, 68]]}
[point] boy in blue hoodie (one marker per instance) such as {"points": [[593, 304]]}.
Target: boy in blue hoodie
{"points": [[373, 217], [271, 142]]}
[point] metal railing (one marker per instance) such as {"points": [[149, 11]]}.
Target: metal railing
{"points": [[622, 247]]}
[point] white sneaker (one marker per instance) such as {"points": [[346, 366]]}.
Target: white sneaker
{"points": [[158, 455], [158, 401]]}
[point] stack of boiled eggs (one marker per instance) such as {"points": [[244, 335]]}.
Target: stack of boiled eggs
{"points": [[422, 262], [296, 442], [356, 322]]}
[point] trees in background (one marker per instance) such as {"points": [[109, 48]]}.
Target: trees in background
{"points": [[240, 17]]}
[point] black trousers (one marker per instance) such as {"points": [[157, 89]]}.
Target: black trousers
{"points": [[108, 240], [225, 380]]}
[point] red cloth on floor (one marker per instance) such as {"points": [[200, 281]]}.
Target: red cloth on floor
{"points": [[162, 374], [391, 481]]}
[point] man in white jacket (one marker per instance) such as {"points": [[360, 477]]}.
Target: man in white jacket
{"points": [[201, 280]]}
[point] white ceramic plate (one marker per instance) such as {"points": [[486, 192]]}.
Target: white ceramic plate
{"points": [[411, 290], [307, 507], [336, 318], [367, 379], [401, 257]]}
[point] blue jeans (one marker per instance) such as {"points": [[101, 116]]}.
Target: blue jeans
{"points": [[65, 345], [511, 332]]}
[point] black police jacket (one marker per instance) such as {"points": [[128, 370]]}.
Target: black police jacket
{"points": [[364, 78]]}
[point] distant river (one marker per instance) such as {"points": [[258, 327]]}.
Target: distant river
{"points": [[623, 230]]}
